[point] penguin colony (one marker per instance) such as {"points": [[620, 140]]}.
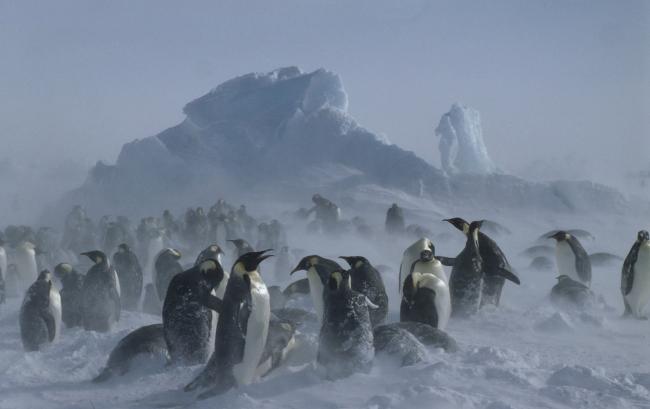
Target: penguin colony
{"points": [[228, 320]]}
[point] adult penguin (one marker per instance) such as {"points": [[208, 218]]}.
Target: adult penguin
{"points": [[241, 247], [413, 255], [466, 281], [130, 275], [166, 267], [212, 252], [496, 267], [71, 294], [187, 312], [101, 306], [345, 342], [40, 313], [242, 329], [572, 259], [425, 299], [318, 273], [367, 281], [635, 276]]}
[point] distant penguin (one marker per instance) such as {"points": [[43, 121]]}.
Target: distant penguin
{"points": [[367, 281], [12, 281], [71, 294], [145, 341], [166, 267], [318, 272], [425, 299], [413, 255], [395, 220], [571, 294], [151, 304], [572, 259], [187, 312], [130, 273], [242, 329], [345, 342], [40, 313], [101, 294], [25, 260], [466, 281], [154, 246], [241, 247], [496, 268], [635, 277], [212, 252]]}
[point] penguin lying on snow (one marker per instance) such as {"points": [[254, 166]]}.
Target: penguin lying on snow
{"points": [[571, 294], [40, 313], [148, 341], [345, 340], [635, 276], [367, 281], [572, 259], [242, 329], [71, 294]]}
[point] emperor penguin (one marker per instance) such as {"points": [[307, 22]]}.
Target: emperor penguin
{"points": [[367, 281], [213, 252], [25, 260], [412, 255], [242, 329], [40, 313], [571, 294], [345, 342], [101, 294], [188, 312], [166, 267], [466, 281], [318, 273], [71, 294], [572, 259], [496, 267], [635, 277], [425, 296], [129, 272]]}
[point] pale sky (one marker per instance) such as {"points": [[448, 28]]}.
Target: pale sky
{"points": [[552, 79]]}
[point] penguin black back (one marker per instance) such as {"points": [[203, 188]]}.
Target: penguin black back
{"points": [[129, 272], [466, 281], [367, 281]]}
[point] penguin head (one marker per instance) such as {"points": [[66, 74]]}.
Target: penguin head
{"points": [[560, 236], [96, 256], [62, 269], [45, 275], [426, 256], [249, 262], [123, 248], [307, 262], [211, 269], [339, 280], [643, 236], [475, 226], [355, 261], [459, 223], [322, 266]]}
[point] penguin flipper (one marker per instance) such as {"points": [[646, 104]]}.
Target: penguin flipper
{"points": [[508, 275], [213, 303], [446, 261]]}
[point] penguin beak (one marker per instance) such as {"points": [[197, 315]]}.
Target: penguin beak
{"points": [[260, 256]]}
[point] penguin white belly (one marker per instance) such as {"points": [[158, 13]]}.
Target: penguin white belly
{"points": [[55, 310], [566, 261], [257, 330], [3, 263], [640, 294], [434, 267], [118, 287], [443, 297], [218, 292], [316, 291], [411, 254]]}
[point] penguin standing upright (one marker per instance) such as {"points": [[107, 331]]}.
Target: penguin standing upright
{"points": [[425, 296], [413, 254], [572, 259], [40, 313], [466, 281], [242, 329], [496, 268], [187, 312], [71, 294], [318, 272], [129, 272], [367, 281], [25, 260], [635, 277], [345, 342], [166, 267], [101, 294]]}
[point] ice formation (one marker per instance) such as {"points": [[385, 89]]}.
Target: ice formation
{"points": [[462, 149]]}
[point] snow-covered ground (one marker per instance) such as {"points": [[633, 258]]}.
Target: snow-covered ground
{"points": [[522, 355]]}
